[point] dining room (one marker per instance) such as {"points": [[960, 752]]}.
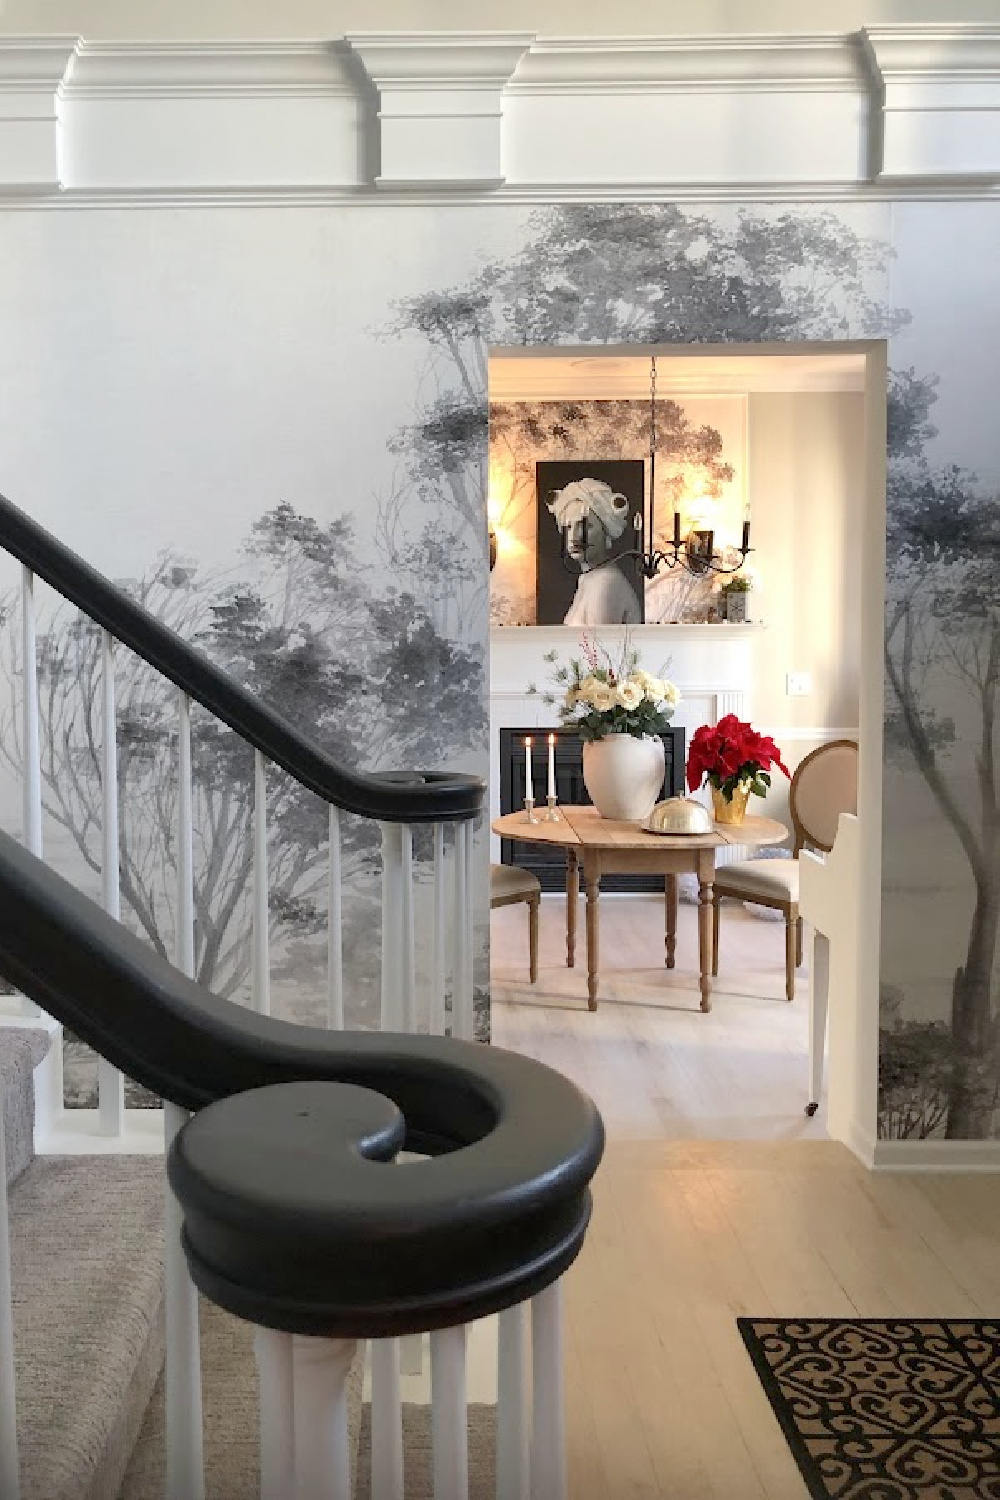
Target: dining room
{"points": [[666, 968]]}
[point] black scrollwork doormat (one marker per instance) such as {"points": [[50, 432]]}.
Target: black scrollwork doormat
{"points": [[885, 1409]]}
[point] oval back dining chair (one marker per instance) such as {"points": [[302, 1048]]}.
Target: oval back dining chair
{"points": [[825, 784]]}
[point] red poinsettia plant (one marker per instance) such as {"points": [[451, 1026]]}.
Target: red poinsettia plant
{"points": [[731, 754]]}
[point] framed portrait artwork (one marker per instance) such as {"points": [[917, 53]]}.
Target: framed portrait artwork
{"points": [[589, 517]]}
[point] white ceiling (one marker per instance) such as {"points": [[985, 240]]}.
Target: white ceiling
{"points": [[545, 375]]}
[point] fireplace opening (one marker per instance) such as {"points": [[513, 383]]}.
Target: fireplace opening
{"points": [[549, 862]]}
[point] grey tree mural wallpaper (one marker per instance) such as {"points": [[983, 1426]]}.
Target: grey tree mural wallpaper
{"points": [[369, 626]]}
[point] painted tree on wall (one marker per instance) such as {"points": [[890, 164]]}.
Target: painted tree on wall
{"points": [[367, 676], [943, 640]]}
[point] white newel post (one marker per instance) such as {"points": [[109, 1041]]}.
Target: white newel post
{"points": [[408, 958], [462, 1009], [335, 929], [449, 1415], [9, 1472], [513, 1412], [322, 1451], [110, 1083], [548, 1437], [185, 1445]]}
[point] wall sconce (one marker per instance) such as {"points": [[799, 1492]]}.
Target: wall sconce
{"points": [[493, 549], [700, 550]]}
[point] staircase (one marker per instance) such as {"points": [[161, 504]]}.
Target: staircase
{"points": [[280, 1210], [87, 1261]]}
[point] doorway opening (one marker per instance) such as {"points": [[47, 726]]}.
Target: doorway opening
{"points": [[776, 449]]}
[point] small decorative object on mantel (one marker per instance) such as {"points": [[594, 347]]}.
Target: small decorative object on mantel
{"points": [[619, 710], [733, 599], [736, 762]]}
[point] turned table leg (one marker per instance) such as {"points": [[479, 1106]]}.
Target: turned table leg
{"points": [[670, 902], [572, 892], [592, 876], [706, 880]]}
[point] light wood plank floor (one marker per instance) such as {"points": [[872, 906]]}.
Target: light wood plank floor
{"points": [[655, 1065], [688, 1233]]}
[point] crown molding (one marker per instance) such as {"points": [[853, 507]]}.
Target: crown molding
{"points": [[36, 63], [937, 53], [421, 60], [824, 61], [208, 69]]}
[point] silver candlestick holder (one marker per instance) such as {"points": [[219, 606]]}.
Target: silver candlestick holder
{"points": [[529, 811], [553, 814]]}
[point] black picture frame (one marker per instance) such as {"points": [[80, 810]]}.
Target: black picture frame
{"points": [[557, 575]]}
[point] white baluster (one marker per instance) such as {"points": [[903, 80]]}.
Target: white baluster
{"points": [[387, 1422], [513, 1413], [460, 937], [110, 1083], [9, 1480], [437, 1006], [277, 1414], [322, 1450], [470, 917], [408, 960], [548, 1437], [392, 966], [185, 1456], [335, 930], [182, 1372], [261, 969], [31, 787], [449, 1416], [462, 1007]]}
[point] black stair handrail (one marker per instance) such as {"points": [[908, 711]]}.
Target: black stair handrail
{"points": [[501, 1211], [401, 797]]}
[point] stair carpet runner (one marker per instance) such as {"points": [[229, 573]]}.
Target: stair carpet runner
{"points": [[87, 1264]]}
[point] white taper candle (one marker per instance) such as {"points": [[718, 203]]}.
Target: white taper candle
{"points": [[552, 765], [529, 786]]}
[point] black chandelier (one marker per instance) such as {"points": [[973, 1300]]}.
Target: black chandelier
{"points": [[695, 552]]}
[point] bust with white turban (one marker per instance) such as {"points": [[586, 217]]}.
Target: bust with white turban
{"points": [[592, 516]]}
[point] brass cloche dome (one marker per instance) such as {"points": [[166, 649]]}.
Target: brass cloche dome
{"points": [[680, 815]]}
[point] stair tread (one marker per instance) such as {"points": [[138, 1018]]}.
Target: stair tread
{"points": [[87, 1260], [22, 1048]]}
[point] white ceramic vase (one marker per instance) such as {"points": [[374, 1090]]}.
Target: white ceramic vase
{"points": [[623, 775]]}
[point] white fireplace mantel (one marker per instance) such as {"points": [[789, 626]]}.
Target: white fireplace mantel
{"points": [[712, 666]]}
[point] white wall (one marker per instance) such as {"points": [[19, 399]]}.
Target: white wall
{"points": [[312, 18]]}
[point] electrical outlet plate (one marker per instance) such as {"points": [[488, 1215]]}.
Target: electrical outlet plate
{"points": [[798, 684]]}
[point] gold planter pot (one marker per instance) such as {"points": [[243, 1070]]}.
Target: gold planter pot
{"points": [[730, 812]]}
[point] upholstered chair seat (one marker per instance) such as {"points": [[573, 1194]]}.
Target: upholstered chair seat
{"points": [[760, 877], [509, 884]]}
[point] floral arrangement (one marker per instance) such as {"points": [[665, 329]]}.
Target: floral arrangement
{"points": [[731, 757], [599, 694]]}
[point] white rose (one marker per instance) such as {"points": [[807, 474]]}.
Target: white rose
{"points": [[630, 694], [671, 693], [602, 697]]}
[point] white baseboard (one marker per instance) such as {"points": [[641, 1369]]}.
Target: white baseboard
{"points": [[937, 1156], [77, 1132], [862, 1143]]}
